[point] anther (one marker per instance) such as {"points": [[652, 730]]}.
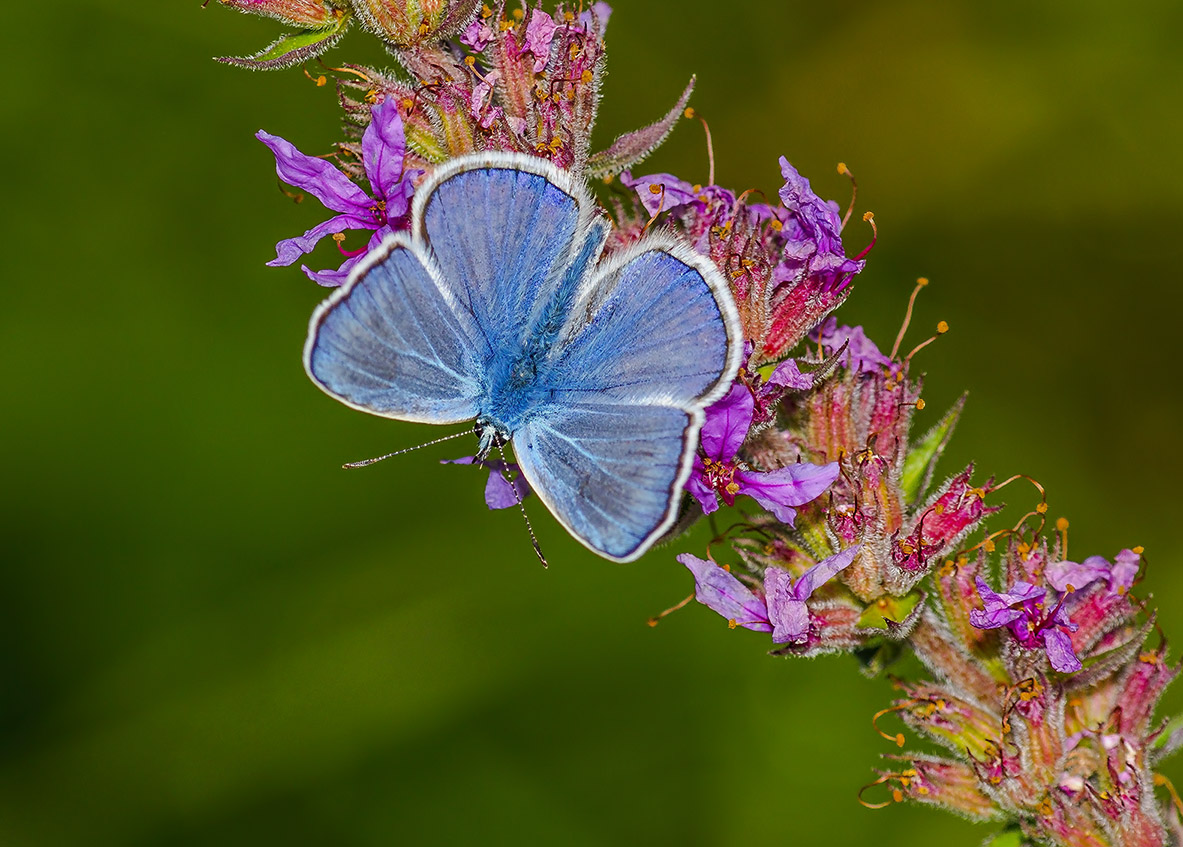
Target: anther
{"points": [[656, 619], [942, 328]]}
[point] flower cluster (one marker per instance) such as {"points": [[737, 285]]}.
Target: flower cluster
{"points": [[1043, 684], [1044, 695]]}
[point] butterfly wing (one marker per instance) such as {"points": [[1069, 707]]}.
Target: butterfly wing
{"points": [[507, 231], [654, 340], [391, 342], [423, 321]]}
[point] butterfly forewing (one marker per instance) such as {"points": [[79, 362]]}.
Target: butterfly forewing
{"points": [[502, 237], [389, 343]]}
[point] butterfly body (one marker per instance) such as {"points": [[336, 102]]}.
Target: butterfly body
{"points": [[498, 309]]}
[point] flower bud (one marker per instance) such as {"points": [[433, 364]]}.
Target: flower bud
{"points": [[312, 14], [406, 23]]}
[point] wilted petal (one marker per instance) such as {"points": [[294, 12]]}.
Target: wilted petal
{"points": [[539, 34], [779, 490], [659, 192], [727, 423], [717, 589], [823, 572], [1125, 570], [478, 34], [332, 278], [318, 177], [861, 354], [1060, 575], [998, 611], [1059, 651], [595, 20], [788, 375], [291, 249], [789, 614], [383, 148]]}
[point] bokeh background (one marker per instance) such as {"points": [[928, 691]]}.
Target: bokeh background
{"points": [[211, 634]]}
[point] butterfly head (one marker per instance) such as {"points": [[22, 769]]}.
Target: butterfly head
{"points": [[491, 435]]}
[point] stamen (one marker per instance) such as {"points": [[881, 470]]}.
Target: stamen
{"points": [[898, 738], [656, 188], [656, 619], [842, 169], [353, 71], [895, 348], [690, 113], [885, 778], [319, 80], [1062, 528], [295, 196], [869, 217], [942, 328]]}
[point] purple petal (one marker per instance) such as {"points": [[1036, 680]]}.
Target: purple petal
{"points": [[795, 485], [539, 33], [596, 18], [318, 177], [499, 491], [789, 615], [1059, 651], [699, 490], [670, 194], [1125, 569], [788, 375], [291, 249], [727, 423], [823, 572], [1062, 574], [478, 34], [997, 612], [861, 355], [717, 589], [383, 148]]}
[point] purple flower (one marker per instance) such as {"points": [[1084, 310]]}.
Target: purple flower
{"points": [[862, 355], [784, 613], [718, 473], [1120, 575], [812, 232], [1023, 610], [383, 151], [499, 491]]}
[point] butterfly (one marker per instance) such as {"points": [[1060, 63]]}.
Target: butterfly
{"points": [[497, 308]]}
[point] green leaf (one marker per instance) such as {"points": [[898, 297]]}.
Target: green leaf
{"points": [[922, 458], [887, 608], [293, 48]]}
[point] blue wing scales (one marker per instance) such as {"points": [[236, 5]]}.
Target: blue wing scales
{"points": [[389, 342]]}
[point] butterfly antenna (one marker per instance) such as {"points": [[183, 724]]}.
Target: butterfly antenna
{"points": [[521, 506], [364, 462]]}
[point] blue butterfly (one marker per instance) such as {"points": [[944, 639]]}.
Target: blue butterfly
{"points": [[496, 308]]}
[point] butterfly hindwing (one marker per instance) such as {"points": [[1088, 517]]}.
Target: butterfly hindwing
{"points": [[611, 451], [390, 344]]}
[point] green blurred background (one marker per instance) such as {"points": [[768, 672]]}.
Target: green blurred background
{"points": [[214, 635]]}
